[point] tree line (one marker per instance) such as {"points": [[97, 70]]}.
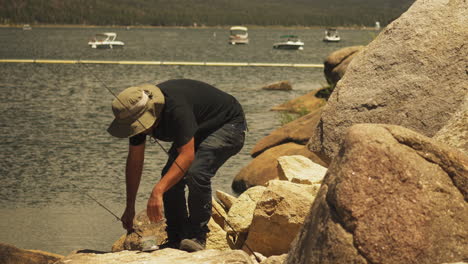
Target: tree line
{"points": [[203, 12]]}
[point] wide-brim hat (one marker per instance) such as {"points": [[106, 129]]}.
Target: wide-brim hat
{"points": [[136, 109]]}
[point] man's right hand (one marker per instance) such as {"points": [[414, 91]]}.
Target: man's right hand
{"points": [[127, 219]]}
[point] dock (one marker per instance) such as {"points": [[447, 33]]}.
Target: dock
{"points": [[165, 63]]}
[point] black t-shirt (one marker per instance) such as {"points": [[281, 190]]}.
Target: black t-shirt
{"points": [[192, 109]]}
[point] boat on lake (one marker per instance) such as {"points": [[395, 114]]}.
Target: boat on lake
{"points": [[238, 35], [27, 27], [289, 42], [331, 35], [105, 41]]}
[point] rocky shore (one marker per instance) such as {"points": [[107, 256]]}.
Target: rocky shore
{"points": [[377, 174]]}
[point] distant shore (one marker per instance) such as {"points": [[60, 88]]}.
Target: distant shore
{"points": [[195, 27]]}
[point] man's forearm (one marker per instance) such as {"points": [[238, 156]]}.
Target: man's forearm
{"points": [[175, 173]]}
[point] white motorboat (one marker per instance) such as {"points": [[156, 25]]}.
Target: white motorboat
{"points": [[331, 35], [105, 41], [27, 27], [238, 35], [289, 42]]}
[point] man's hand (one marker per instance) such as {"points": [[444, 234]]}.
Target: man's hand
{"points": [[127, 219], [154, 208]]}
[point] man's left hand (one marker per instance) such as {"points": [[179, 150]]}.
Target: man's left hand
{"points": [[154, 208]]}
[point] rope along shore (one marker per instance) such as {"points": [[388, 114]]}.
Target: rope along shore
{"points": [[165, 63]]}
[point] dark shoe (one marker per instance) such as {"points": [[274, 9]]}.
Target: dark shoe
{"points": [[193, 244], [175, 244]]}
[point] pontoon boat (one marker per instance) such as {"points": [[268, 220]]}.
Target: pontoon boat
{"points": [[105, 41]]}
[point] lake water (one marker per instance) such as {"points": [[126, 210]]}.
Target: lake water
{"points": [[54, 118]]}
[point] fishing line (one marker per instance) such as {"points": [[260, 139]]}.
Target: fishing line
{"points": [[175, 162]]}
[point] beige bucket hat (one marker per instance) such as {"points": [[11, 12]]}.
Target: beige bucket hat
{"points": [[136, 109]]}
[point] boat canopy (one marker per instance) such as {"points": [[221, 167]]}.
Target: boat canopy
{"points": [[238, 28], [108, 34]]}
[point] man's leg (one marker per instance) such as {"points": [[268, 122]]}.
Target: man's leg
{"points": [[175, 208], [210, 155]]}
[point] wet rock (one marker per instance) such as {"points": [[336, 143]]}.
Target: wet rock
{"points": [[391, 195], [279, 86], [413, 74]]}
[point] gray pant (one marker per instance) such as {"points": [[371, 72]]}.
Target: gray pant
{"points": [[210, 155]]}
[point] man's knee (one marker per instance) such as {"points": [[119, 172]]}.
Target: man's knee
{"points": [[198, 181]]}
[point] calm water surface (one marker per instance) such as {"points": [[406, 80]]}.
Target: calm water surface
{"points": [[54, 119]]}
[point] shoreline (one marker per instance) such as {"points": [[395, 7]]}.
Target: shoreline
{"points": [[194, 27]]}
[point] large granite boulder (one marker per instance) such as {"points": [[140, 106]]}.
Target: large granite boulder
{"points": [[413, 74], [278, 216], [391, 195], [164, 256], [455, 132], [12, 255], [264, 167], [336, 63], [298, 131]]}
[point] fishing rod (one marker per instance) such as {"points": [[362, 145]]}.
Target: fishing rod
{"points": [[164, 150]]}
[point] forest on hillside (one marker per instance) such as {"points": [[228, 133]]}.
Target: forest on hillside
{"points": [[203, 12]]}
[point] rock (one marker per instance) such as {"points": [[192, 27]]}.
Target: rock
{"points": [[263, 168], [217, 237], [413, 74], [12, 255], [455, 132], [241, 213], [308, 102], [143, 227], [391, 195], [279, 215], [275, 259], [299, 169], [282, 86], [164, 256], [336, 63], [298, 131], [218, 213], [226, 199]]}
